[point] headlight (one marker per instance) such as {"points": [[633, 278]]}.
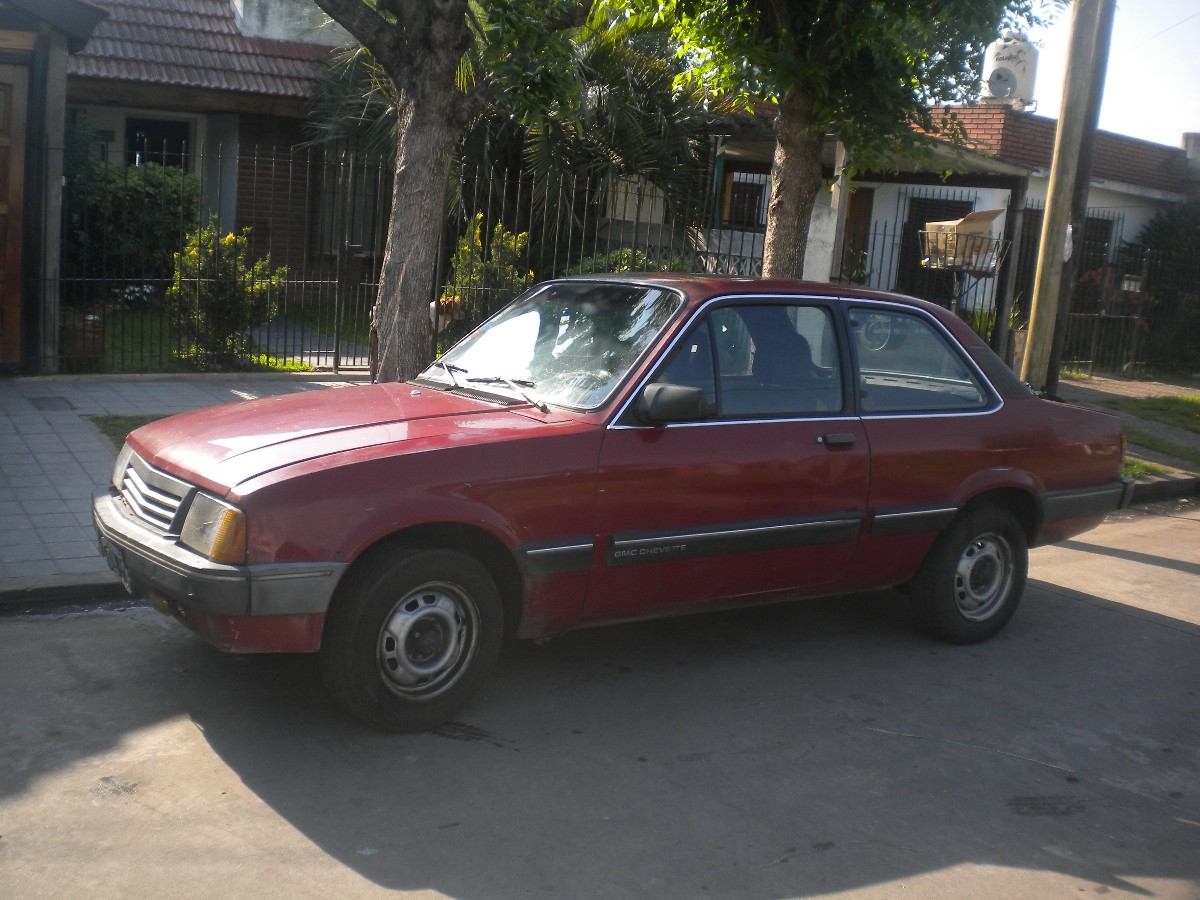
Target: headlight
{"points": [[121, 464], [215, 529]]}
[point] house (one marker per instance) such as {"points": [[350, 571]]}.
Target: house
{"points": [[196, 84], [869, 232], [37, 40]]}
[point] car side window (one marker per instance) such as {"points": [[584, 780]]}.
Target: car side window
{"points": [[770, 360], [906, 366]]}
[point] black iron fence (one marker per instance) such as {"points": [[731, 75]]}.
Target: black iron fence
{"points": [[266, 258], [245, 260], [1135, 312]]}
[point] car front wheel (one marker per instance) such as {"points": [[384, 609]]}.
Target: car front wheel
{"points": [[411, 636], [972, 580]]}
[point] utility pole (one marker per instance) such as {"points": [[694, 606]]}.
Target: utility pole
{"points": [[1082, 64], [1079, 191]]}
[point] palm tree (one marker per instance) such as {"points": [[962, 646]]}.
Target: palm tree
{"points": [[564, 135]]}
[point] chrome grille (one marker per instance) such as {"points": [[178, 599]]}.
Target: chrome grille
{"points": [[153, 496]]}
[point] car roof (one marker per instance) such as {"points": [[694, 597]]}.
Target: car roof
{"points": [[699, 288]]}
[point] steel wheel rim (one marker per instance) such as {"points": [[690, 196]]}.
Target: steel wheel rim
{"points": [[983, 576], [427, 640]]}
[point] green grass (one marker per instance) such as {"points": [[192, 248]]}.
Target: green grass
{"points": [[142, 341], [1161, 445], [139, 341], [1137, 468], [265, 363], [117, 428], [1074, 374], [1182, 412]]}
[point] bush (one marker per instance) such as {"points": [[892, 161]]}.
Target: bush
{"points": [[483, 276], [216, 295], [626, 259], [126, 223]]}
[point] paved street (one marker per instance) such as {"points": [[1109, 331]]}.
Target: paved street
{"points": [[805, 749]]}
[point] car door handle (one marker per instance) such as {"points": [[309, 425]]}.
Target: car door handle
{"points": [[837, 439]]}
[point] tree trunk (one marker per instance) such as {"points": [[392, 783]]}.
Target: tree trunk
{"points": [[795, 182], [401, 332]]}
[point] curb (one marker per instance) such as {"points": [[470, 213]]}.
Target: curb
{"points": [[19, 595], [1165, 488]]}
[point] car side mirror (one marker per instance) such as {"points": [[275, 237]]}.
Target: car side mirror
{"points": [[664, 402]]}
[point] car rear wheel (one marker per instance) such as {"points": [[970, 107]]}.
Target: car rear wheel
{"points": [[411, 636], [972, 580]]}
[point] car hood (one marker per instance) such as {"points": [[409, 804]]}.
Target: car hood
{"points": [[221, 446]]}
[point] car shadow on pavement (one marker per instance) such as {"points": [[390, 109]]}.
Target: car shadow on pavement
{"points": [[785, 750]]}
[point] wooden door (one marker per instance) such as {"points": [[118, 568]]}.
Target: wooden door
{"points": [[14, 87]]}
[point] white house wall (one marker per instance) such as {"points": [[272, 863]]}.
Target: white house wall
{"points": [[822, 237], [1135, 206], [289, 20]]}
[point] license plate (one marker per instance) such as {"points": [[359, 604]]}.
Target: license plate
{"points": [[115, 557]]}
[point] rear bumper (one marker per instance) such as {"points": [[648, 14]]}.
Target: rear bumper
{"points": [[234, 606], [1084, 502], [1067, 513]]}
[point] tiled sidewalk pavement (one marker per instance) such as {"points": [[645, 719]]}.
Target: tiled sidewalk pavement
{"points": [[52, 457]]}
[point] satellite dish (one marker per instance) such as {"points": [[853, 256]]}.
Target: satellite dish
{"points": [[1002, 83]]}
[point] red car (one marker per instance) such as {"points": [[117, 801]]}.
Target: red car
{"points": [[603, 449]]}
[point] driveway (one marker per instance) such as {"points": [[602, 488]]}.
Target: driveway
{"points": [[803, 749]]}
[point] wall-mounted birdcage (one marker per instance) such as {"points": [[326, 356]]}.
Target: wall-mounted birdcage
{"points": [[964, 245], [966, 249]]}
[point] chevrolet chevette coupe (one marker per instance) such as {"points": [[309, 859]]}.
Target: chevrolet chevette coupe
{"points": [[608, 448]]}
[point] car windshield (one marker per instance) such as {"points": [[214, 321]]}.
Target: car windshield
{"points": [[568, 343]]}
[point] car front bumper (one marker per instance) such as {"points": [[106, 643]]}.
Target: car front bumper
{"points": [[268, 607]]}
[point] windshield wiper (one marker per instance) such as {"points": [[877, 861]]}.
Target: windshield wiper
{"points": [[451, 368], [517, 384]]}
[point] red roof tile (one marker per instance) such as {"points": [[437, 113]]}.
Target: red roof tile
{"points": [[1027, 139], [194, 43]]}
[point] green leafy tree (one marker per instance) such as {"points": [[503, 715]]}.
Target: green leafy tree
{"points": [[1170, 299], [217, 294], [624, 117], [868, 71], [445, 61], [1174, 231]]}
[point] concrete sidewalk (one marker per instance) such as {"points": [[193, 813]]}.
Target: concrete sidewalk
{"points": [[52, 457]]}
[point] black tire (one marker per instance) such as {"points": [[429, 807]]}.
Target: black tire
{"points": [[971, 582], [411, 636]]}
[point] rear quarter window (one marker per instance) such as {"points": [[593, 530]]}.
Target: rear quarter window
{"points": [[906, 364]]}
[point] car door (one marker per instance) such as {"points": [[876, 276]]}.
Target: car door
{"points": [[934, 424], [764, 494]]}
